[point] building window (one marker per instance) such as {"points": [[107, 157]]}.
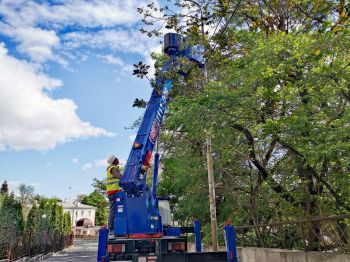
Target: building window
{"points": [[82, 213], [89, 213]]}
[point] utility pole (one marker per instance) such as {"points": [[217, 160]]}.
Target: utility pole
{"points": [[212, 198], [211, 182]]}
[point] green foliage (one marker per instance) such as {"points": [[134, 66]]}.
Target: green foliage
{"points": [[11, 214], [278, 107], [4, 188], [184, 180], [11, 221], [33, 216], [98, 200], [277, 103], [47, 225], [67, 224]]}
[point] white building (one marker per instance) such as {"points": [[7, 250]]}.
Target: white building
{"points": [[80, 214]]}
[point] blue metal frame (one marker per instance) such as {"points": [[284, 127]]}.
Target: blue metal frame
{"points": [[102, 244], [120, 218], [197, 235], [155, 175], [230, 239]]}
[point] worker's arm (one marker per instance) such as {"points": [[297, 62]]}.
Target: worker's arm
{"points": [[116, 173]]}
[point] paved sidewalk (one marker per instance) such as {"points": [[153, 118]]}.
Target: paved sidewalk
{"points": [[82, 250]]}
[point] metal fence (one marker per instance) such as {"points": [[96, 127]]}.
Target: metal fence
{"points": [[15, 244], [316, 234]]}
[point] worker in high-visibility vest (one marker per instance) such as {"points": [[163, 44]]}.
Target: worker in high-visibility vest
{"points": [[113, 188]]}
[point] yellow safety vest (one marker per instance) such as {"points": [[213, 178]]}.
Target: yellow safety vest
{"points": [[112, 183]]}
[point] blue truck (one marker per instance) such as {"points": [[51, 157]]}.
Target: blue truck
{"points": [[142, 230]]}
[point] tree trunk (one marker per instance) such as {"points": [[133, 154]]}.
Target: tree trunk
{"points": [[314, 234], [212, 202]]}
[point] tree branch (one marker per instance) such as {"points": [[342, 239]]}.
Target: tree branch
{"points": [[269, 151], [337, 198], [262, 169]]}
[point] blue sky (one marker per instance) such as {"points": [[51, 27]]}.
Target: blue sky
{"points": [[66, 90]]}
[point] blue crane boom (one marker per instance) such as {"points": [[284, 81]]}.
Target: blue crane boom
{"points": [[133, 180]]}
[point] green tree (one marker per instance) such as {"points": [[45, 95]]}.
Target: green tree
{"points": [[11, 214], [32, 217], [98, 200], [11, 221], [277, 104], [67, 224], [26, 194], [99, 185], [47, 226], [277, 113], [4, 188]]}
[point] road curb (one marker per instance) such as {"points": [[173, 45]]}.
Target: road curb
{"points": [[32, 259]]}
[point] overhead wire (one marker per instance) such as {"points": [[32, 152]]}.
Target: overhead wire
{"points": [[224, 29], [217, 26]]}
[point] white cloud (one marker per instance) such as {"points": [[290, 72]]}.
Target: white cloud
{"points": [[123, 68], [38, 28], [30, 118], [95, 163], [100, 163], [91, 13], [114, 60], [36, 43], [117, 39], [132, 137], [87, 166], [75, 161], [2, 147], [27, 22]]}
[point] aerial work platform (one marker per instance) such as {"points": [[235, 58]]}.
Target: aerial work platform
{"points": [[141, 233]]}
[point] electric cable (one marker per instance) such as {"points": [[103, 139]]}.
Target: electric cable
{"points": [[224, 29]]}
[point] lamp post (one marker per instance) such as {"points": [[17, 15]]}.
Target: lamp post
{"points": [[44, 229]]}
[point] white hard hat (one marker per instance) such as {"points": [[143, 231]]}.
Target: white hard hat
{"points": [[111, 159]]}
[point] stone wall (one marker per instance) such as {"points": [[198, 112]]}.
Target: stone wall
{"points": [[253, 254]]}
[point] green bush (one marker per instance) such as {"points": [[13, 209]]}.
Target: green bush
{"points": [[47, 228]]}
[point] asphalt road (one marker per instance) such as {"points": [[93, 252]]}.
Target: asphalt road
{"points": [[82, 250]]}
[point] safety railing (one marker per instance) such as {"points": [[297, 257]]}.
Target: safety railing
{"points": [[16, 244], [314, 234]]}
